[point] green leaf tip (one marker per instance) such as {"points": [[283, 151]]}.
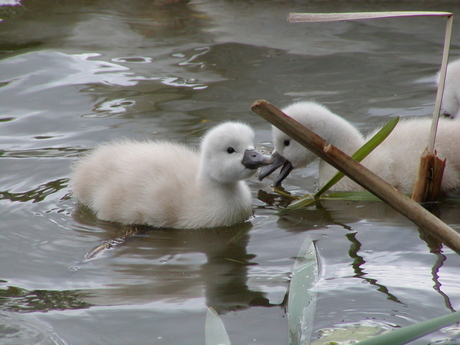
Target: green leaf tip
{"points": [[407, 334]]}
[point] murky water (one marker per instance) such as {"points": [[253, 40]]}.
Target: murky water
{"points": [[74, 74]]}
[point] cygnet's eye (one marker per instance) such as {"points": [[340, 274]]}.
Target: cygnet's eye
{"points": [[286, 142], [230, 150]]}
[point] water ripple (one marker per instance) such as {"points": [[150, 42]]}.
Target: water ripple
{"points": [[16, 329], [133, 59]]}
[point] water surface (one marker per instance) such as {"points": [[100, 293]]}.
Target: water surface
{"points": [[75, 74]]}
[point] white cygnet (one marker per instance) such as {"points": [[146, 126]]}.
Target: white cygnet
{"points": [[396, 159], [451, 96], [166, 184]]}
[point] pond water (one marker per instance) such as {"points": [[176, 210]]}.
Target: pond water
{"points": [[78, 73]]}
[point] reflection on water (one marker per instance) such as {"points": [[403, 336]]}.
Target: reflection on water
{"points": [[219, 275], [36, 195], [21, 300], [215, 262], [75, 74], [358, 265]]}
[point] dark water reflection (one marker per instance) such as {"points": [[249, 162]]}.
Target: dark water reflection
{"points": [[74, 74]]}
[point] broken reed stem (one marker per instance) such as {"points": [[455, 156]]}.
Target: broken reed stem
{"points": [[335, 17], [428, 183], [441, 83], [359, 174], [427, 187]]}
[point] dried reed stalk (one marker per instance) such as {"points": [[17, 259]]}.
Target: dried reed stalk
{"points": [[427, 187], [335, 17], [428, 183], [358, 173]]}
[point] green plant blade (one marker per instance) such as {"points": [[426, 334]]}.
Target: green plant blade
{"points": [[351, 196], [345, 196], [410, 333], [359, 155], [215, 332], [302, 297]]}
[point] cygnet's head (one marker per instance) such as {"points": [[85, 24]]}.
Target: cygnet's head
{"points": [[319, 119], [228, 154], [451, 96]]}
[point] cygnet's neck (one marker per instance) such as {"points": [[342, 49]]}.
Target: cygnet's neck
{"points": [[205, 180], [345, 137], [226, 195]]}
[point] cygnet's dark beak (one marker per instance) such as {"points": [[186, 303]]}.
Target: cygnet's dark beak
{"points": [[253, 159], [278, 161]]}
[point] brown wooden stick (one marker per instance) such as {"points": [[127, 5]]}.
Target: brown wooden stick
{"points": [[438, 171], [427, 187], [359, 174]]}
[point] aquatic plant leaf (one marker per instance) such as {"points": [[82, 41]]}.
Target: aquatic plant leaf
{"points": [[359, 155], [302, 297], [349, 334], [410, 333], [215, 332]]}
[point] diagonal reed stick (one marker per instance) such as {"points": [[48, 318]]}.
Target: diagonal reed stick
{"points": [[358, 173]]}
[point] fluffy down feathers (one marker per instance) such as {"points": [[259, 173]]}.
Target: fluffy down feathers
{"points": [[451, 96], [165, 184]]}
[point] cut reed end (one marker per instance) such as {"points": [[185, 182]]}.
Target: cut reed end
{"points": [[427, 187]]}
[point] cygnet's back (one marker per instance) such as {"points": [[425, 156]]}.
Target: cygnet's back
{"points": [[404, 147], [164, 184], [451, 96]]}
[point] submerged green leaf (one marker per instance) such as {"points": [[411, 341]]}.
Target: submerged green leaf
{"points": [[407, 334], [359, 155], [302, 297], [346, 334]]}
